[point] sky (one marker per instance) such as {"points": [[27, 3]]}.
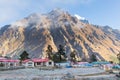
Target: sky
{"points": [[100, 12]]}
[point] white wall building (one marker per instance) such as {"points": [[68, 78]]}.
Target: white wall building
{"points": [[37, 62]]}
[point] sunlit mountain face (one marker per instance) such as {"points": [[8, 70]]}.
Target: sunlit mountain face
{"points": [[35, 32]]}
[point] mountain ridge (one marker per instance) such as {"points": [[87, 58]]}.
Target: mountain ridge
{"points": [[35, 32]]}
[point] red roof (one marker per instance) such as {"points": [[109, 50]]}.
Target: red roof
{"points": [[8, 60], [39, 60], [36, 60], [2, 59], [26, 60]]}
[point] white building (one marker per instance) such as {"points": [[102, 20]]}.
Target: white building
{"points": [[38, 62], [4, 62]]}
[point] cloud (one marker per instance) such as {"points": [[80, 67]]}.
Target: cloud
{"points": [[70, 1], [64, 3], [11, 10]]}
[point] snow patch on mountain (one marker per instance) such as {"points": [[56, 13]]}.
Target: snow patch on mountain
{"points": [[82, 19], [79, 17]]}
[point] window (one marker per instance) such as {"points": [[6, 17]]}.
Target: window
{"points": [[50, 63], [38, 63], [1, 64], [30, 63], [11, 64]]}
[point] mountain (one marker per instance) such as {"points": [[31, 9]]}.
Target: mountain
{"points": [[82, 19], [35, 32]]}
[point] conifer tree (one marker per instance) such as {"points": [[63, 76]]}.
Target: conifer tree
{"points": [[72, 55], [93, 58], [50, 52], [24, 56], [61, 53]]}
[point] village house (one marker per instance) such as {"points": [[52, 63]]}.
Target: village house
{"points": [[37, 62], [4, 62]]}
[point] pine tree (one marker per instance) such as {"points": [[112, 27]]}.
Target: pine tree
{"points": [[72, 55], [93, 58], [50, 52], [24, 56], [56, 58], [61, 53]]}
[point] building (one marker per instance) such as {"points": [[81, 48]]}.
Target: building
{"points": [[63, 64], [4, 62], [38, 62]]}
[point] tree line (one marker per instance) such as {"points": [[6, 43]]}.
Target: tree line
{"points": [[60, 55]]}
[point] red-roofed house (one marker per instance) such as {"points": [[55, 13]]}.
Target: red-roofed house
{"points": [[37, 62], [4, 62]]}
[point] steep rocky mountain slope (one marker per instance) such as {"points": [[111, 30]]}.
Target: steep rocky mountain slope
{"points": [[35, 32]]}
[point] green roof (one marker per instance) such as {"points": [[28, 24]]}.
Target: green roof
{"points": [[100, 62]]}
